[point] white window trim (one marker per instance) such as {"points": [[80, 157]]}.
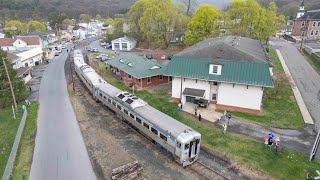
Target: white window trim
{"points": [[311, 33], [130, 76], [148, 80], [161, 77], [302, 24]]}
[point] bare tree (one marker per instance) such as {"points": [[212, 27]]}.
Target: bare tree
{"points": [[189, 4]]}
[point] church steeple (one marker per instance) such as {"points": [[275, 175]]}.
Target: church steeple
{"points": [[301, 10]]}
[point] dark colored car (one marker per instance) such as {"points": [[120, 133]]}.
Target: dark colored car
{"points": [[203, 102]]}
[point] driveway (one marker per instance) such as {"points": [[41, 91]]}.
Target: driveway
{"points": [[59, 151], [305, 77]]}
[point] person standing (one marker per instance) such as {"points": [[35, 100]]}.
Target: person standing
{"points": [[195, 110], [179, 107], [229, 117], [224, 126], [277, 144], [199, 116], [270, 142], [225, 116]]}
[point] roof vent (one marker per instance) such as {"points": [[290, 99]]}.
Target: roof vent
{"points": [[121, 60], [129, 64], [132, 101]]}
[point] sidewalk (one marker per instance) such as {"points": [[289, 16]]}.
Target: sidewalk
{"points": [[34, 83]]}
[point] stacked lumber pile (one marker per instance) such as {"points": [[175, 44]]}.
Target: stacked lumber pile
{"points": [[130, 171]]}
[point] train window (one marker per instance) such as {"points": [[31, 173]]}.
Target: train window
{"points": [[138, 120], [132, 116], [100, 94], [114, 103], [129, 101], [146, 125], [109, 100], [186, 146], [119, 107], [104, 97], [125, 111], [154, 131], [121, 96], [163, 137], [178, 145]]}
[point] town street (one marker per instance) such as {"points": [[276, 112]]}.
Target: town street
{"points": [[60, 152], [306, 78]]}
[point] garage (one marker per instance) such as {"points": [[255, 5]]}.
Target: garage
{"points": [[193, 94], [190, 99]]}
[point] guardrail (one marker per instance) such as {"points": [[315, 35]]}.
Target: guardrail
{"points": [[315, 147]]}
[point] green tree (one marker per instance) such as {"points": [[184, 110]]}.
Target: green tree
{"points": [[202, 25], [67, 22], [17, 83], [14, 28], [110, 21], [35, 26], [56, 19], [84, 18], [157, 20], [135, 13], [98, 17], [245, 15]]}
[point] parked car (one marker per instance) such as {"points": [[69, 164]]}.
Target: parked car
{"points": [[149, 56], [103, 44], [59, 50], [56, 54], [63, 46], [95, 50], [203, 102], [163, 57], [108, 46]]}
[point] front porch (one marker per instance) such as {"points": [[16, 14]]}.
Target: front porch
{"points": [[208, 113]]}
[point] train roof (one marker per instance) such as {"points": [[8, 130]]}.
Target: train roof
{"points": [[162, 121], [94, 78]]}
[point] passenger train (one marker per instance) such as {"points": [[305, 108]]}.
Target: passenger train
{"points": [[179, 140]]}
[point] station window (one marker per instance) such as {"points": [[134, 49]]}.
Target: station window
{"points": [[109, 100], [186, 146], [114, 103], [125, 111], [161, 77], [215, 83], [179, 145], [163, 137], [149, 80], [138, 120], [132, 116], [104, 97], [146, 125], [119, 107], [100, 94], [154, 131]]}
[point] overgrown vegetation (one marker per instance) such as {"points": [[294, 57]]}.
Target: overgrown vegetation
{"points": [[250, 153], [22, 164], [18, 84], [312, 60]]}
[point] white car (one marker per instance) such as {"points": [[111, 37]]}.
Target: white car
{"points": [[95, 50], [59, 50], [103, 44], [63, 47]]}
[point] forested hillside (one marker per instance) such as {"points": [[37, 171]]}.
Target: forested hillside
{"points": [[39, 9]]}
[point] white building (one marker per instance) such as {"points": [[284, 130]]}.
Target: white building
{"points": [[232, 84], [23, 53], [2, 35], [123, 44]]}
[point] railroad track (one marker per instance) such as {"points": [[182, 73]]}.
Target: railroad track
{"points": [[206, 172]]}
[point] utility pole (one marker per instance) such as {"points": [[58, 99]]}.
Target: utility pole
{"points": [[14, 98]]}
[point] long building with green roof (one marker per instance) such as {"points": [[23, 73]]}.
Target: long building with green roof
{"points": [[224, 71]]}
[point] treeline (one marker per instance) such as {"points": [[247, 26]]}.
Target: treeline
{"points": [[157, 22], [15, 27]]}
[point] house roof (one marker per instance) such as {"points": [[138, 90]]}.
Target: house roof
{"points": [[124, 39], [311, 15], [34, 40], [137, 66], [41, 34], [233, 71], [228, 47], [12, 57]]}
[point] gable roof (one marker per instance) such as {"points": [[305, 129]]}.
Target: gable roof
{"points": [[12, 57], [124, 39], [228, 47], [41, 34], [311, 15], [137, 66], [34, 40], [233, 71]]}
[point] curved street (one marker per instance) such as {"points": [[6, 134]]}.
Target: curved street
{"points": [[60, 152]]}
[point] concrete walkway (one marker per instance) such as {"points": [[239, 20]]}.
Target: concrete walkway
{"points": [[302, 106]]}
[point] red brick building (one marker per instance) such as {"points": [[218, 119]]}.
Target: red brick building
{"points": [[307, 24], [138, 70]]}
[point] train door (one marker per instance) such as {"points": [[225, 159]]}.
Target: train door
{"points": [[178, 149]]}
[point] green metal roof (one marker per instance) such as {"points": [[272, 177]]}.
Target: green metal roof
{"points": [[137, 66], [239, 72]]}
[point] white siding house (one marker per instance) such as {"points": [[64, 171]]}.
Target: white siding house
{"points": [[123, 44], [233, 85]]}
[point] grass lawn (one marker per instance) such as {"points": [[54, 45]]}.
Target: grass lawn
{"points": [[250, 153], [8, 130], [22, 164], [312, 60], [279, 110]]}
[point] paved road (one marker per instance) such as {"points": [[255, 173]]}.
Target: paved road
{"points": [[306, 78], [59, 152]]}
